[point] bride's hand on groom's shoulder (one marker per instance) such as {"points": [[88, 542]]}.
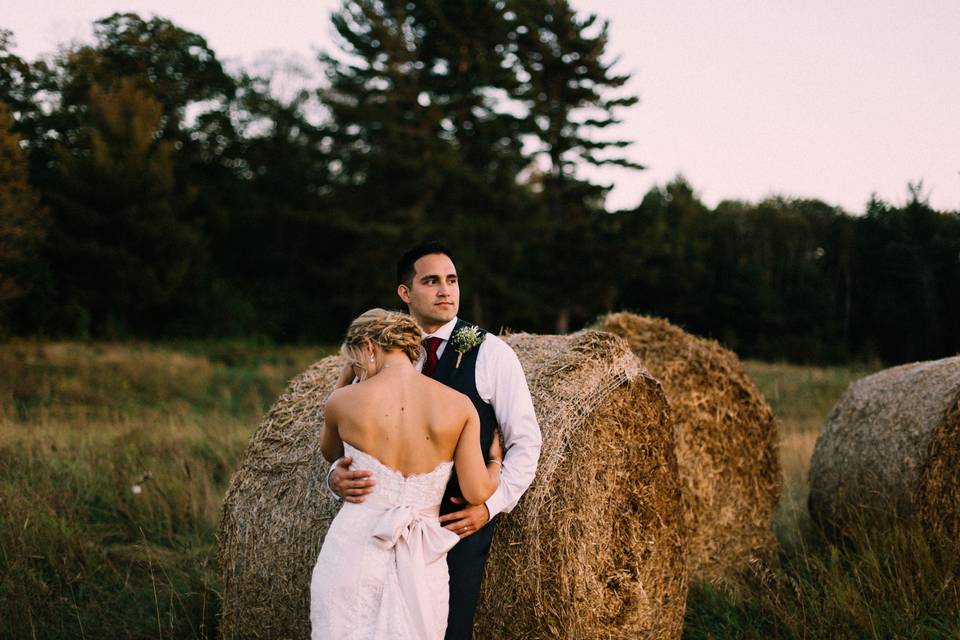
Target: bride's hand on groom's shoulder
{"points": [[347, 375], [351, 485]]}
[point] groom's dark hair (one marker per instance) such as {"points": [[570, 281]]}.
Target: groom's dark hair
{"points": [[405, 269]]}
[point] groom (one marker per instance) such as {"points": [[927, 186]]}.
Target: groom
{"points": [[488, 372]]}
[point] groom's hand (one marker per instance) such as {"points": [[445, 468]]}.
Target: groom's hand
{"points": [[467, 521], [350, 485]]}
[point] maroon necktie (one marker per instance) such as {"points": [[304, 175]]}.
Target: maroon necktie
{"points": [[433, 343]]}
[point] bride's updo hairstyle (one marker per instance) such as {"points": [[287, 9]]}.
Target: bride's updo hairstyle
{"points": [[387, 329]]}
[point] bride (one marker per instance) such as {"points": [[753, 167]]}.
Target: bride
{"points": [[382, 570]]}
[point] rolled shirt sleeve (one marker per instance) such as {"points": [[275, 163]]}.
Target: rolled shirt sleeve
{"points": [[501, 383]]}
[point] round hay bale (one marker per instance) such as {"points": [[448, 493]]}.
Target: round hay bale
{"points": [[594, 549], [275, 514], [890, 449], [726, 444]]}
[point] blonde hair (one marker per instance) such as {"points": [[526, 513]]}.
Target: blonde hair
{"points": [[389, 330]]}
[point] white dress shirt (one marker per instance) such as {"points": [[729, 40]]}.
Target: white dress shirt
{"points": [[501, 383]]}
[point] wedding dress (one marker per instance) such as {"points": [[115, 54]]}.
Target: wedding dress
{"points": [[382, 570]]}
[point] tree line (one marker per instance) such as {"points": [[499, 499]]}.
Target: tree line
{"points": [[146, 190]]}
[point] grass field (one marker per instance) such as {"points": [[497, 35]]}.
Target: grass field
{"points": [[113, 462], [901, 583], [114, 458]]}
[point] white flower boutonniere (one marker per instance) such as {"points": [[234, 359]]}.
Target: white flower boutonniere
{"points": [[464, 340]]}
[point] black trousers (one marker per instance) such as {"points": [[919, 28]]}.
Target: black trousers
{"points": [[466, 562]]}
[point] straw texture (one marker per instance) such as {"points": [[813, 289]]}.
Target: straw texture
{"points": [[726, 444], [594, 550], [891, 448]]}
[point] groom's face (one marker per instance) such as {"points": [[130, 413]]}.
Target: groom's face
{"points": [[434, 293]]}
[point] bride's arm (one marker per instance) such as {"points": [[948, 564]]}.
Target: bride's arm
{"points": [[478, 479], [331, 446]]}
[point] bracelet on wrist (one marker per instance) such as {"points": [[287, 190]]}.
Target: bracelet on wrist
{"points": [[498, 461]]}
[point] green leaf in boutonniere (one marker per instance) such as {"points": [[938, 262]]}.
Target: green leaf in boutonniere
{"points": [[464, 340]]}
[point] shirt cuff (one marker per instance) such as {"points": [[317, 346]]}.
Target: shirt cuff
{"points": [[333, 465], [496, 502]]}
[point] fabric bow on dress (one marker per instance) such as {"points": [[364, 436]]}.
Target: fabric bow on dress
{"points": [[420, 541]]}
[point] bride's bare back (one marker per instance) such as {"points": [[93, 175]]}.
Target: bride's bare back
{"points": [[410, 423]]}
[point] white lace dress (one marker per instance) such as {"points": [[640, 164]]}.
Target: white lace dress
{"points": [[382, 570]]}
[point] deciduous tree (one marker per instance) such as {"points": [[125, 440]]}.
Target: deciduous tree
{"points": [[119, 248], [23, 220]]}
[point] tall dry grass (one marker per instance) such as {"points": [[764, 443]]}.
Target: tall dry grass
{"points": [[113, 461]]}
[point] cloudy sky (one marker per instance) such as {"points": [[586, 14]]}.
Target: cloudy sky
{"points": [[833, 99]]}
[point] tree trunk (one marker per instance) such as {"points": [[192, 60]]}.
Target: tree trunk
{"points": [[476, 306], [563, 320]]}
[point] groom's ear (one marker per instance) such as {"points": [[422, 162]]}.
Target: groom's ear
{"points": [[404, 292]]}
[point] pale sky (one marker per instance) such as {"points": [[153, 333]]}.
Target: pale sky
{"points": [[831, 99]]}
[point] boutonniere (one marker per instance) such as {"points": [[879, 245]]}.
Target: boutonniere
{"points": [[464, 340]]}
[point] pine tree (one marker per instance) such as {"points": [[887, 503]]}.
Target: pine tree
{"points": [[488, 213], [422, 141], [567, 81]]}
